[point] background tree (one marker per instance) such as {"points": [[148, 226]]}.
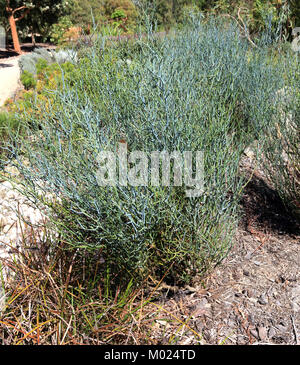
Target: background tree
{"points": [[295, 12], [84, 12], [170, 12], [35, 15]]}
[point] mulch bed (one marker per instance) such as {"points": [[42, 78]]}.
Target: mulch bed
{"points": [[253, 297]]}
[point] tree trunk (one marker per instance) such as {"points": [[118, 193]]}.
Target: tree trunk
{"points": [[33, 39], [14, 33]]}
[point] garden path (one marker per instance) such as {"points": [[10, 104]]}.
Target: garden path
{"points": [[9, 78]]}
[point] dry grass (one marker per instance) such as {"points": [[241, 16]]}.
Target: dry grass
{"points": [[63, 297]]}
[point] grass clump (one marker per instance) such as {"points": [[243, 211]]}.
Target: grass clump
{"points": [[58, 296]]}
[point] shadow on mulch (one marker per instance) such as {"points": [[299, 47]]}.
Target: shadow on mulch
{"points": [[29, 47], [262, 205], [26, 47], [5, 65], [7, 54]]}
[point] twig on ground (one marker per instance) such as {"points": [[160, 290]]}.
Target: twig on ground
{"points": [[295, 330]]}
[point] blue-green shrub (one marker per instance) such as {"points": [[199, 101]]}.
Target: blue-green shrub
{"points": [[202, 89]]}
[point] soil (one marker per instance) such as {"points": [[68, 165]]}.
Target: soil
{"points": [[253, 297]]}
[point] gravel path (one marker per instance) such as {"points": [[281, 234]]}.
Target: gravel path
{"points": [[11, 201], [9, 84], [17, 219], [9, 78]]}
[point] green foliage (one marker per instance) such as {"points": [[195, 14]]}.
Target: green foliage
{"points": [[28, 80], [41, 65], [295, 12], [118, 14], [259, 15], [10, 125], [38, 87], [109, 17], [35, 61], [167, 13], [85, 11], [120, 9], [3, 17], [28, 62], [59, 29], [275, 17]]}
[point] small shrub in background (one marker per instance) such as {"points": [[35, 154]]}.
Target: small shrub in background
{"points": [[58, 31], [28, 62], [281, 154], [50, 71], [39, 89], [28, 80], [42, 57], [7, 122]]}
